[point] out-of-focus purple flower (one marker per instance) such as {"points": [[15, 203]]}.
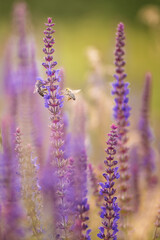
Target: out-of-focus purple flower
{"points": [[144, 119], [67, 137], [12, 212], [80, 175], [49, 183], [22, 80], [30, 186], [35, 111], [146, 134], [20, 76], [110, 209], [9, 87], [121, 114]]}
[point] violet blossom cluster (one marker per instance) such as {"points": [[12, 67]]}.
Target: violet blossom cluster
{"points": [[110, 209], [50, 90], [146, 135], [30, 190], [52, 96], [120, 87], [79, 154], [12, 211], [121, 114]]}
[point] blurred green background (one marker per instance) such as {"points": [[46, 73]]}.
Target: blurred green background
{"points": [[81, 24], [84, 23]]}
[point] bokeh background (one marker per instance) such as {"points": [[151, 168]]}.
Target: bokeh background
{"points": [[85, 42], [85, 27]]}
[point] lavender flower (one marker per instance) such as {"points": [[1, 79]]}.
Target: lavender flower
{"points": [[19, 83], [80, 175], [22, 79], [35, 113], [12, 210], [49, 190], [52, 97], [20, 21], [110, 209], [121, 114], [120, 88], [54, 102], [30, 187], [9, 87], [146, 134]]}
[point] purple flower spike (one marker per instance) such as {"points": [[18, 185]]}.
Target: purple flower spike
{"points": [[120, 88], [110, 209], [13, 215], [53, 98], [80, 227], [146, 134], [121, 115], [51, 87]]}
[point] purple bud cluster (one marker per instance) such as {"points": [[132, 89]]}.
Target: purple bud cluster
{"points": [[121, 114], [110, 209], [146, 134], [120, 88], [12, 214], [50, 87], [80, 185], [53, 98], [79, 155]]}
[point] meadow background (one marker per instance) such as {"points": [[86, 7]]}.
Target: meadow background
{"points": [[87, 28]]}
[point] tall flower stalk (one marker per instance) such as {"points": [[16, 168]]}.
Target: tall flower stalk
{"points": [[81, 205], [19, 77], [12, 214], [50, 90], [146, 134], [22, 77], [110, 209], [35, 113], [121, 114], [30, 188]]}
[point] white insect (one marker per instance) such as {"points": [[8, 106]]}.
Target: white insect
{"points": [[71, 93]]}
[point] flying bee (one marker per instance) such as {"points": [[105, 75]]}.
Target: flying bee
{"points": [[38, 88], [71, 93]]}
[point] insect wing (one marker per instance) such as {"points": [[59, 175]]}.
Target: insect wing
{"points": [[76, 91]]}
